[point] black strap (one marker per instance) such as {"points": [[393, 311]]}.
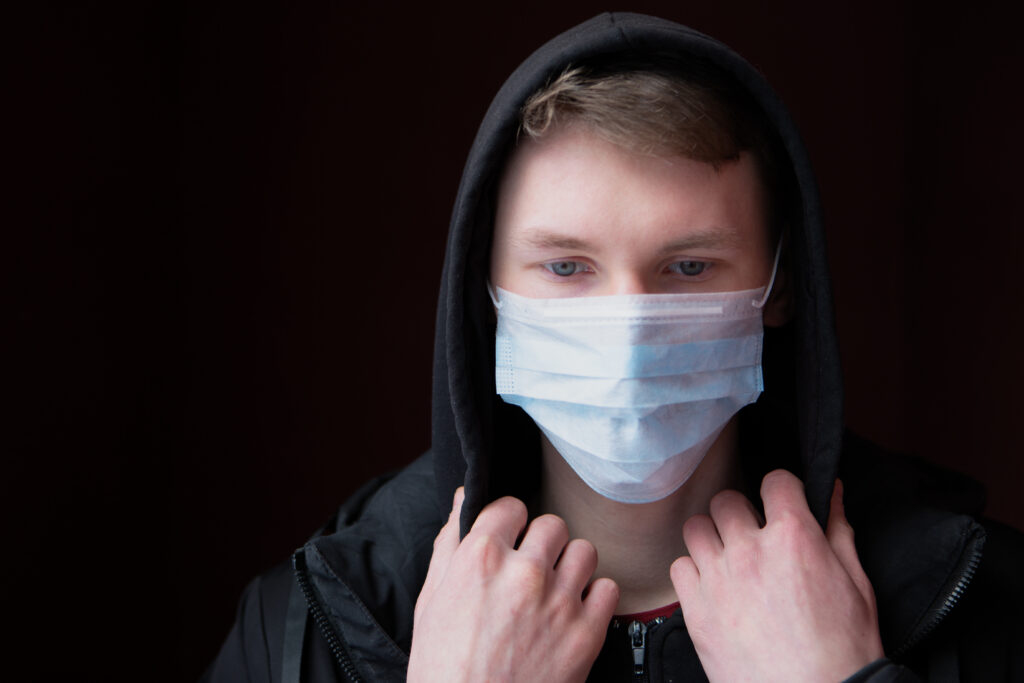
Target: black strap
{"points": [[294, 635]]}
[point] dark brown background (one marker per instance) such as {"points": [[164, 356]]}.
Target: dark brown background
{"points": [[224, 242]]}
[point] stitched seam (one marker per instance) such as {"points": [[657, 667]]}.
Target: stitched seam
{"points": [[359, 604]]}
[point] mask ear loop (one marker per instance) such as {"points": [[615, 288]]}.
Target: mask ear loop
{"points": [[490, 293], [759, 303]]}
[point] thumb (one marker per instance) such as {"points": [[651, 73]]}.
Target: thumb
{"points": [[445, 544], [840, 537]]}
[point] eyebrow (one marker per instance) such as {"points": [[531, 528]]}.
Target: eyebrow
{"points": [[544, 239], [706, 238]]}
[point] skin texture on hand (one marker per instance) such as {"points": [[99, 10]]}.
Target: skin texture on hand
{"points": [[492, 611], [780, 602]]}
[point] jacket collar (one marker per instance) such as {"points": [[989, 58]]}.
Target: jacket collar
{"points": [[367, 574]]}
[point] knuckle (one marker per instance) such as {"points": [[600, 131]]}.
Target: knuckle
{"points": [[485, 552], [503, 511], [584, 550], [551, 524], [792, 516], [503, 515], [717, 502], [726, 496], [529, 576], [793, 534], [747, 562], [787, 523], [563, 602], [726, 500], [786, 519], [781, 485], [779, 476], [512, 507]]}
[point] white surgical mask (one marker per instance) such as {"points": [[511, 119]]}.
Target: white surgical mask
{"points": [[631, 390]]}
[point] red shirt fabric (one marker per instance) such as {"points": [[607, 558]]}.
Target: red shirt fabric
{"points": [[649, 615]]}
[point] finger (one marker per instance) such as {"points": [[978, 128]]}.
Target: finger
{"points": [[783, 496], [701, 539], [448, 538], [504, 520], [444, 547], [576, 566], [734, 515], [545, 539], [841, 539], [685, 579], [600, 601], [838, 529]]}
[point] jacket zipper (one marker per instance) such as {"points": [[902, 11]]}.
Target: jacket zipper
{"points": [[334, 642], [964, 574], [637, 632]]}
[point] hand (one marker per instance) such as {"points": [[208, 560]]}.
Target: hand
{"points": [[783, 602], [489, 611]]}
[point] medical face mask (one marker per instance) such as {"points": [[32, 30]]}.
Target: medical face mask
{"points": [[631, 390]]}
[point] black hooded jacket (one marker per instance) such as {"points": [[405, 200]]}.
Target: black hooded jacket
{"points": [[946, 585]]}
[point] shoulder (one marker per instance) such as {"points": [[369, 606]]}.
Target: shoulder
{"points": [[364, 565], [945, 577], [887, 480], [985, 632], [247, 653], [367, 570]]}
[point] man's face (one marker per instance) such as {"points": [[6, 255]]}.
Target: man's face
{"points": [[578, 216]]}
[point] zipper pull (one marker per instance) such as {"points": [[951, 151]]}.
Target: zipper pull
{"points": [[637, 632]]}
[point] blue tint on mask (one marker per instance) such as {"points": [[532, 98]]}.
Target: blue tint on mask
{"points": [[632, 419]]}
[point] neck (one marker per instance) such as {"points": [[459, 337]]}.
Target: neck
{"points": [[636, 543]]}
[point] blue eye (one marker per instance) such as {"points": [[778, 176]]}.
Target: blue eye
{"points": [[690, 268], [565, 268]]}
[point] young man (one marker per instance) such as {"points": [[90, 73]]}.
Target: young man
{"points": [[634, 342]]}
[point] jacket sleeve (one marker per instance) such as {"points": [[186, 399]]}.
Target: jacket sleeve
{"points": [[251, 653], [883, 671]]}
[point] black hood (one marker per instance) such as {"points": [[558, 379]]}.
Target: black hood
{"points": [[365, 573], [473, 431]]}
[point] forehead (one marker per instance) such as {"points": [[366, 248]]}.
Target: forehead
{"points": [[574, 180]]}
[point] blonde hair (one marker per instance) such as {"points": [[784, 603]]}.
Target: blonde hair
{"points": [[644, 111], [665, 108]]}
